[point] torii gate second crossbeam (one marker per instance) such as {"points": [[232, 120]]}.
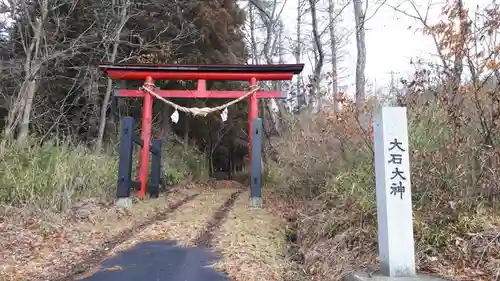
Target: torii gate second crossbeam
{"points": [[151, 72]]}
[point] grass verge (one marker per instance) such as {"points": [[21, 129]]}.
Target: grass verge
{"points": [[253, 246], [54, 175]]}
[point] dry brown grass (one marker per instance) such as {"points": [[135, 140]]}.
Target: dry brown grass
{"points": [[41, 246], [252, 243], [329, 164]]}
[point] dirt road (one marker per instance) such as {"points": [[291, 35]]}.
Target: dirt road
{"points": [[173, 239]]}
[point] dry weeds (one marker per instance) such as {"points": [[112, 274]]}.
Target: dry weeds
{"points": [[252, 243], [41, 246], [454, 185]]}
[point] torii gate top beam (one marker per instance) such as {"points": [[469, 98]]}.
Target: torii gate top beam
{"points": [[233, 72]]}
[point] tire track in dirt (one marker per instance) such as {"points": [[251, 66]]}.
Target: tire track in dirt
{"points": [[82, 269], [187, 222], [204, 237]]}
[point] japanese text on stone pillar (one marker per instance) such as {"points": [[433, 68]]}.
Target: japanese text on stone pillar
{"points": [[396, 158]]}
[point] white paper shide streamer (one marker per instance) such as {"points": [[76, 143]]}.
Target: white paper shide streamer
{"points": [[223, 115], [175, 116]]}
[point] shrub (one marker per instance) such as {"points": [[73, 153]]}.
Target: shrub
{"points": [[327, 160], [183, 164]]}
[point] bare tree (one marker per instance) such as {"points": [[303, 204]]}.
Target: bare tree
{"points": [[121, 8], [334, 49], [450, 40], [270, 16], [319, 53], [21, 109], [252, 28], [38, 51], [298, 54], [117, 36], [323, 28]]}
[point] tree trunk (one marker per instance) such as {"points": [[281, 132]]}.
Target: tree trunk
{"points": [[333, 46], [456, 79], [361, 54], [253, 41], [298, 57], [31, 68], [109, 86], [28, 105], [320, 56]]}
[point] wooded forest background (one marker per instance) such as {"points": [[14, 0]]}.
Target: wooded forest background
{"points": [[51, 87]]}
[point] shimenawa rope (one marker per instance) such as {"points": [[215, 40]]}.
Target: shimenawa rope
{"points": [[195, 111]]}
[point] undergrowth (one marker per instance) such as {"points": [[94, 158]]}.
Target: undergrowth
{"points": [[55, 174], [326, 161]]}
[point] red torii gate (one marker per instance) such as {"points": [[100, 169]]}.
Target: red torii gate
{"points": [[151, 72]]}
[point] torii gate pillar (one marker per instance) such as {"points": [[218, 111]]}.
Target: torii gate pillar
{"points": [[253, 112]]}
